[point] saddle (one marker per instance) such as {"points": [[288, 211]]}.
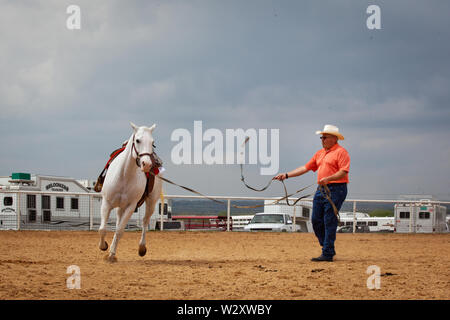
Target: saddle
{"points": [[156, 164]]}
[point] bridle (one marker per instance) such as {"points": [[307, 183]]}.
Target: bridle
{"points": [[139, 155]]}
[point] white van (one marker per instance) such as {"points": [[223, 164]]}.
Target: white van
{"points": [[278, 222]]}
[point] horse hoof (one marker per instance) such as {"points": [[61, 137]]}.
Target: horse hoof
{"points": [[110, 258], [104, 247], [142, 251]]}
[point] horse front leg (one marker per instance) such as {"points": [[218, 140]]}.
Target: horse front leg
{"points": [[122, 223], [105, 211]]}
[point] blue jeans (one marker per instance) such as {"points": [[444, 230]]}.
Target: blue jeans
{"points": [[323, 218]]}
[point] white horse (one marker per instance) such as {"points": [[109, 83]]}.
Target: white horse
{"points": [[124, 185]]}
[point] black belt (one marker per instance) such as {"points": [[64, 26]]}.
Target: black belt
{"points": [[335, 184]]}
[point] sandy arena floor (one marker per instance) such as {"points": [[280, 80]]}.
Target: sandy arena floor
{"points": [[221, 265]]}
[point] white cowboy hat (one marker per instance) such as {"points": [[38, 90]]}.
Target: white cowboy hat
{"points": [[330, 129]]}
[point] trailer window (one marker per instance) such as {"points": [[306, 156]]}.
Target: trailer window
{"points": [[268, 218], [7, 201], [46, 215], [404, 215], [45, 202], [373, 223], [31, 201], [74, 203], [306, 212], [31, 215], [424, 215], [59, 202]]}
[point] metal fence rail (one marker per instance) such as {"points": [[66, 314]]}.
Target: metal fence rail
{"points": [[40, 210]]}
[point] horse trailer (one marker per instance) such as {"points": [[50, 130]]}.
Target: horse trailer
{"points": [[42, 202], [375, 224], [421, 217]]}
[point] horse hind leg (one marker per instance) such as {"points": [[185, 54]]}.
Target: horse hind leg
{"points": [[145, 221], [142, 250], [149, 209]]}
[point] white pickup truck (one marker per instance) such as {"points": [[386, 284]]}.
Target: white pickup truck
{"points": [[278, 222]]}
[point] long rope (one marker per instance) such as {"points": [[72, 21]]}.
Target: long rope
{"points": [[327, 195], [286, 197], [236, 206], [325, 192]]}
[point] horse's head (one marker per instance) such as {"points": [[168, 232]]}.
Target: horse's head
{"points": [[142, 149]]}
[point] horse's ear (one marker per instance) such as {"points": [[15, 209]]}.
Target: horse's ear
{"points": [[152, 127], [133, 126]]}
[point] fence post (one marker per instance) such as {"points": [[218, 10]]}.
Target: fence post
{"points": [[412, 212], [354, 216], [161, 211], [293, 220], [91, 213], [18, 211], [228, 214]]}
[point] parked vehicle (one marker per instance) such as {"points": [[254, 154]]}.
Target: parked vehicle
{"points": [[277, 222]]}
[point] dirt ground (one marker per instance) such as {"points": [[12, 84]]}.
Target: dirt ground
{"points": [[223, 265]]}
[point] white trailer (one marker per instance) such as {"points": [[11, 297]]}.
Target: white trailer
{"points": [[375, 224], [240, 221], [50, 202], [424, 216]]}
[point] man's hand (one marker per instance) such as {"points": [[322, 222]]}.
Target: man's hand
{"points": [[280, 177], [337, 176], [294, 173], [324, 181]]}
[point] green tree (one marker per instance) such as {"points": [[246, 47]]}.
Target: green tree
{"points": [[381, 213]]}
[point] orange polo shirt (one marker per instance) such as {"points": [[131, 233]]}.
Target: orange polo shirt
{"points": [[328, 162]]}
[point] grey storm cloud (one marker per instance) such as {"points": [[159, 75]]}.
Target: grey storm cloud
{"points": [[67, 96]]}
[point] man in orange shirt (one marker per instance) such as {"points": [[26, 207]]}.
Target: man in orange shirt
{"points": [[332, 164]]}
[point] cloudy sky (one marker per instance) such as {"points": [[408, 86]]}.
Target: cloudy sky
{"points": [[67, 96]]}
